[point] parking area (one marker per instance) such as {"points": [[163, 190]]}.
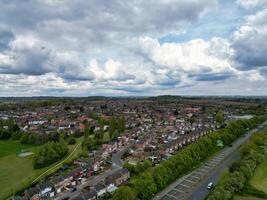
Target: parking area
{"points": [[180, 190]]}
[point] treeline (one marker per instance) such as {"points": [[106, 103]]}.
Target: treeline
{"points": [[49, 153], [35, 138], [9, 129], [153, 180], [93, 139], [235, 181]]}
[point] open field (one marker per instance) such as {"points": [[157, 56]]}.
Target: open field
{"points": [[259, 180], [246, 198], [16, 173], [11, 147]]}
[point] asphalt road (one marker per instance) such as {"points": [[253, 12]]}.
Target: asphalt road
{"points": [[194, 185], [201, 190]]}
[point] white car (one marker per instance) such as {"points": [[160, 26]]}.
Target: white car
{"points": [[210, 186]]}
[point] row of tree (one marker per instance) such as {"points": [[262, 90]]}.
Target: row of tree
{"points": [[148, 183], [252, 154], [49, 153]]}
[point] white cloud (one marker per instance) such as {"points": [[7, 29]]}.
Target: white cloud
{"points": [[251, 3], [111, 70], [195, 56], [250, 42]]}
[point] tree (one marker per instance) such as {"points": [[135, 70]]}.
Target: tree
{"points": [[121, 124], [160, 176], [71, 140], [49, 153], [219, 117], [112, 127], [124, 193], [145, 186], [192, 120]]}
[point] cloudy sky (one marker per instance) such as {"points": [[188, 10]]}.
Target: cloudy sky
{"points": [[128, 48]]}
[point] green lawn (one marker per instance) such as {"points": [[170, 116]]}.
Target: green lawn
{"points": [[259, 180], [16, 173], [246, 198], [11, 147]]}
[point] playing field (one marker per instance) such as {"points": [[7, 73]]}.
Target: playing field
{"points": [[246, 198], [259, 180], [16, 172]]}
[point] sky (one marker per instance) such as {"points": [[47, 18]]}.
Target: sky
{"points": [[133, 48]]}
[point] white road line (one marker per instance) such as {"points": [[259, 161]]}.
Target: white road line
{"points": [[184, 185], [191, 181], [195, 177], [178, 190]]}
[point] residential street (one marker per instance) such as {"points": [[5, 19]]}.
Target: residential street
{"points": [[116, 165], [193, 186]]}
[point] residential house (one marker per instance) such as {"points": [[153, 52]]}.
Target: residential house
{"points": [[90, 195], [100, 188], [46, 189], [32, 194]]}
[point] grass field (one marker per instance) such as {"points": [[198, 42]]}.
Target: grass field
{"points": [[16, 173], [10, 147], [246, 198], [259, 180]]}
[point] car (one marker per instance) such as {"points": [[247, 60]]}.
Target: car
{"points": [[73, 189], [210, 186], [65, 198]]}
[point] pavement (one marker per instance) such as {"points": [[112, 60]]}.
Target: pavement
{"points": [[193, 186]]}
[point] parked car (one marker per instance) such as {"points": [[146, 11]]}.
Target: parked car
{"points": [[210, 186]]}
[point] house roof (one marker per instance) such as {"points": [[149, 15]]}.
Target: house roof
{"points": [[45, 185], [79, 197], [99, 186], [109, 180], [90, 194], [57, 179], [32, 191]]}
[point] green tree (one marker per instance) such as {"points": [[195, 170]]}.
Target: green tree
{"points": [[219, 117], [160, 175], [145, 186], [124, 193]]}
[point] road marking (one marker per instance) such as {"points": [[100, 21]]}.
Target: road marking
{"points": [[184, 185], [191, 181], [200, 173], [195, 177], [214, 162], [164, 197], [203, 170], [178, 190], [207, 167], [210, 164], [171, 196]]}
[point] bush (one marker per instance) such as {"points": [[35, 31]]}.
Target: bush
{"points": [[71, 141]]}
